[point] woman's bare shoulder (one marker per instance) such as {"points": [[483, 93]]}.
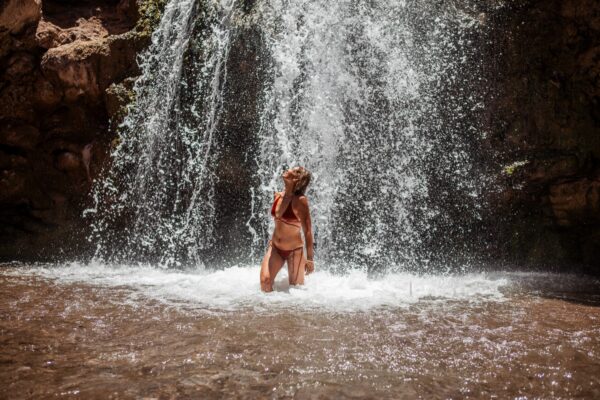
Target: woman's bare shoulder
{"points": [[303, 200]]}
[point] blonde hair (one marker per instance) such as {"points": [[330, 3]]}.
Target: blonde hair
{"points": [[303, 181]]}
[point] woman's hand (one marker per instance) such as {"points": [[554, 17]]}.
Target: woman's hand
{"points": [[290, 184], [309, 267]]}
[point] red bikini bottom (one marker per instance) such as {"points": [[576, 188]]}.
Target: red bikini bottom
{"points": [[284, 253], [293, 261]]}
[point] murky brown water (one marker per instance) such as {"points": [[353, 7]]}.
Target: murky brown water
{"points": [[85, 341]]}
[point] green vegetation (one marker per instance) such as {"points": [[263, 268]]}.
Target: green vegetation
{"points": [[512, 168]]}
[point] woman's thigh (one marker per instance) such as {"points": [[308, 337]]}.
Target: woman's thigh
{"points": [[295, 262], [270, 266]]}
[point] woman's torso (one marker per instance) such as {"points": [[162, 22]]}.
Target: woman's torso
{"points": [[286, 235]]}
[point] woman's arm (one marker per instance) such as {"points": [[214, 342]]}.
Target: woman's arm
{"points": [[287, 194], [307, 227], [283, 204]]}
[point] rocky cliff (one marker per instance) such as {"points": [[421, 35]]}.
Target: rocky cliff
{"points": [[544, 129], [64, 74]]}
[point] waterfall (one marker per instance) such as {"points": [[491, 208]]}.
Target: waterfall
{"points": [[156, 201], [377, 99]]}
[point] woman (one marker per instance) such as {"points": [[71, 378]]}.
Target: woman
{"points": [[290, 211]]}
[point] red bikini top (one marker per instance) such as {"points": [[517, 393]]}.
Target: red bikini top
{"points": [[288, 214]]}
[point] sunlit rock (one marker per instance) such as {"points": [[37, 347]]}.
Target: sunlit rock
{"points": [[57, 59], [16, 14], [49, 35]]}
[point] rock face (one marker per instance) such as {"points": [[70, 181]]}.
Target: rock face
{"points": [[58, 58], [16, 15], [544, 121]]}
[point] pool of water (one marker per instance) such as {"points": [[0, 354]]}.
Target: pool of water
{"points": [[94, 331]]}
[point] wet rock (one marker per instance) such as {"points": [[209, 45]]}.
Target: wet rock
{"points": [[47, 34], [117, 97], [128, 9], [544, 109], [545, 170], [11, 161], [12, 184], [86, 68], [86, 159], [16, 102]]}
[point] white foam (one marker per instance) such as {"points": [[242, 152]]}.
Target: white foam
{"points": [[237, 287]]}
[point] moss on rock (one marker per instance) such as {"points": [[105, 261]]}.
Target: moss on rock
{"points": [[510, 169], [118, 96], [150, 12]]}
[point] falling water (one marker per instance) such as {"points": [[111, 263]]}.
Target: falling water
{"points": [[378, 99], [157, 200]]}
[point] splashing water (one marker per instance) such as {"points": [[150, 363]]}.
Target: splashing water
{"points": [[96, 331], [237, 288], [360, 95], [157, 200], [376, 99]]}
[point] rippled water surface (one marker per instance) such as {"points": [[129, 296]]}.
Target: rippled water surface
{"points": [[142, 332]]}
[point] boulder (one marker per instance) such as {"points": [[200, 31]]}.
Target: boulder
{"points": [[17, 14], [49, 35], [74, 67]]}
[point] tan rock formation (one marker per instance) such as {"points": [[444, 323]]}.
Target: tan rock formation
{"points": [[74, 67], [49, 35], [56, 61], [16, 14]]}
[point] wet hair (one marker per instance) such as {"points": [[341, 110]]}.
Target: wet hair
{"points": [[303, 181]]}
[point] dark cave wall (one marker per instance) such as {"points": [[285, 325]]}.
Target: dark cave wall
{"points": [[543, 123]]}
